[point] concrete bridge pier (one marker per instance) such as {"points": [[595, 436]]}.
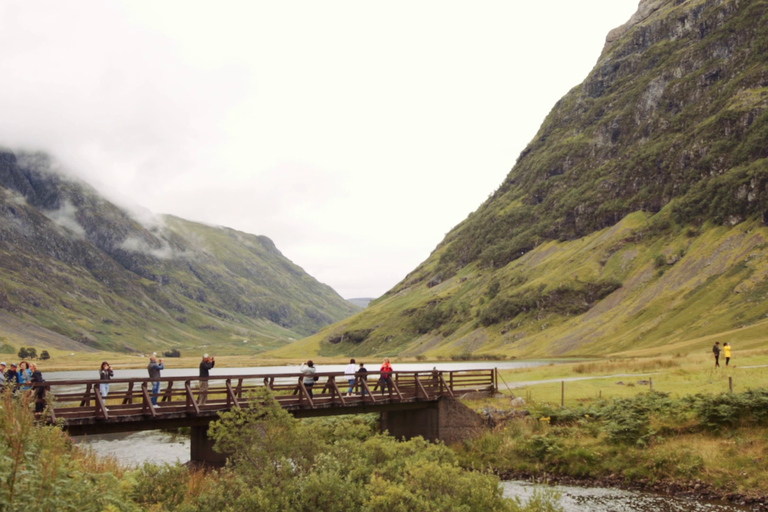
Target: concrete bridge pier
{"points": [[447, 420], [201, 448]]}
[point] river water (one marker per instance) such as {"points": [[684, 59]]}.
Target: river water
{"points": [[162, 447], [596, 499]]}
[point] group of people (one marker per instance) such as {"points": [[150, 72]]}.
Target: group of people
{"points": [[21, 377], [154, 367], [726, 350], [353, 372]]}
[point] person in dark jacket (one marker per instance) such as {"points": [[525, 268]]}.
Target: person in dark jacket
{"points": [[105, 374], [362, 376], [154, 367], [12, 377], [37, 378], [206, 365], [716, 352]]}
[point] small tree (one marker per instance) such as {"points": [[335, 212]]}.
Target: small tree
{"points": [[44, 355], [23, 353], [32, 353]]}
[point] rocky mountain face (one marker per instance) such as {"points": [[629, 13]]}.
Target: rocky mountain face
{"points": [[79, 272], [635, 219]]}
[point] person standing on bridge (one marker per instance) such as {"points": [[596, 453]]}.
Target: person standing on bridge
{"points": [[37, 378], [386, 376], [309, 371], [105, 374], [362, 374], [25, 376], [154, 367], [206, 365], [350, 371]]}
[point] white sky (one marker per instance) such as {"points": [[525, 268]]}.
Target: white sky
{"points": [[355, 134]]}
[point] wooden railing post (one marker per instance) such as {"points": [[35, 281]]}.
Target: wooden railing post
{"points": [[191, 398]]}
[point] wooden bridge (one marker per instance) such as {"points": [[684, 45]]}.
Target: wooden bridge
{"points": [[411, 406]]}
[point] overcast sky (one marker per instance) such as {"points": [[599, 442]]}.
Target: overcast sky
{"points": [[355, 134]]}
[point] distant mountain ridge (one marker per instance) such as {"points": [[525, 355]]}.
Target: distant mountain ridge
{"points": [[634, 221], [361, 301], [87, 271]]}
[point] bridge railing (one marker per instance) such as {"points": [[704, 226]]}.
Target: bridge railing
{"points": [[81, 399]]}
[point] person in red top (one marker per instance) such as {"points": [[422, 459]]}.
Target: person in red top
{"points": [[386, 376]]}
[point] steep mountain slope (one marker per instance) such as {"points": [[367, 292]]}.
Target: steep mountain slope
{"points": [[635, 219], [83, 269]]}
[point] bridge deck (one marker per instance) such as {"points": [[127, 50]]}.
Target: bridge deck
{"points": [[79, 407]]}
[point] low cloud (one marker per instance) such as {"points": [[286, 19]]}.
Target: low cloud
{"points": [[66, 218], [137, 245]]}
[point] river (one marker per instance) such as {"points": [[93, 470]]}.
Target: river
{"points": [[597, 499]]}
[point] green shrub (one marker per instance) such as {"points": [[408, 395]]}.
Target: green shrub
{"points": [[41, 470], [729, 409]]}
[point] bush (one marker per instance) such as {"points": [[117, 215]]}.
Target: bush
{"points": [[729, 409], [41, 470]]}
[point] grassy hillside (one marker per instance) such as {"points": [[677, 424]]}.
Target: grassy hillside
{"points": [[634, 222], [679, 290], [80, 273]]}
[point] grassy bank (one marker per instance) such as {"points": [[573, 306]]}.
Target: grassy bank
{"points": [[689, 428]]}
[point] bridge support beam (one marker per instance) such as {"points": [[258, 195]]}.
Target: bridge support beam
{"points": [[201, 448], [447, 420]]}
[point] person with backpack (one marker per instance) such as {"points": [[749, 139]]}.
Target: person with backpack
{"points": [[716, 352], [309, 371], [362, 375]]}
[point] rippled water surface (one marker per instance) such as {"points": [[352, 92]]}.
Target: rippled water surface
{"points": [[595, 499], [135, 448]]}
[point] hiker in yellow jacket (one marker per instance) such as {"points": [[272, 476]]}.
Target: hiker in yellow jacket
{"points": [[727, 352]]}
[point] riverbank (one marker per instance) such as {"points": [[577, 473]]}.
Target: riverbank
{"points": [[695, 490], [668, 424]]}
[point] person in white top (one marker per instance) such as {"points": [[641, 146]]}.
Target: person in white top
{"points": [[350, 371], [309, 370]]}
